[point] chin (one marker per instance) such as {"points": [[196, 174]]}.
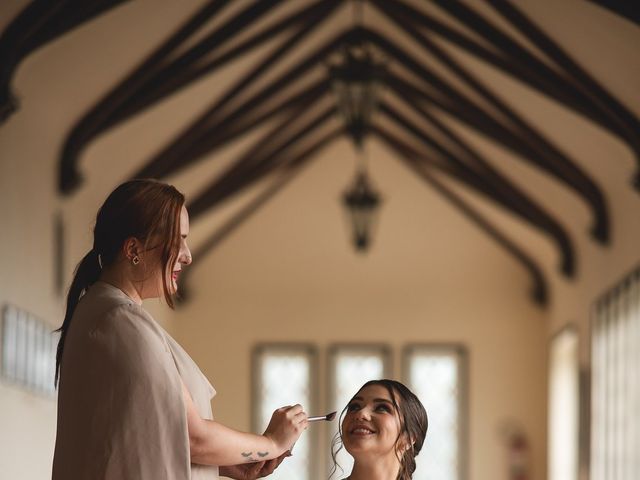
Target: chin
{"points": [[354, 449], [171, 284]]}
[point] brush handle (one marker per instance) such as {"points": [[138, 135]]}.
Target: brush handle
{"points": [[316, 419], [328, 417]]}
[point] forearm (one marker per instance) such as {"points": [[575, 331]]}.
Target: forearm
{"points": [[212, 443]]}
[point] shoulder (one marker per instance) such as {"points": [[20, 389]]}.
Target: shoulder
{"points": [[129, 317], [128, 331], [105, 301]]}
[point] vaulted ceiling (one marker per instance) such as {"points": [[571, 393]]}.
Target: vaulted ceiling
{"points": [[288, 91]]}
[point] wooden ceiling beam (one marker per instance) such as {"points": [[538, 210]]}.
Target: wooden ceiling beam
{"points": [[546, 79], [628, 124], [261, 160], [292, 167], [254, 74], [550, 160], [539, 291], [513, 68], [229, 131], [496, 186], [148, 78], [177, 75], [527, 132], [178, 154], [513, 60], [243, 119], [577, 89], [90, 124], [624, 8], [38, 23], [491, 185]]}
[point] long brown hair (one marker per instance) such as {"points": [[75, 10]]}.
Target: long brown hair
{"points": [[144, 209], [413, 426]]}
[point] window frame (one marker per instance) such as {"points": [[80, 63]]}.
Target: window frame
{"points": [[32, 350], [333, 350], [462, 353], [311, 352]]}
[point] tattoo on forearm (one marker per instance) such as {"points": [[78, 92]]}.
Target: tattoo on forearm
{"points": [[248, 457], [263, 454]]}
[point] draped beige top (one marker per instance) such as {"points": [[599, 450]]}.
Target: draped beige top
{"points": [[121, 414]]}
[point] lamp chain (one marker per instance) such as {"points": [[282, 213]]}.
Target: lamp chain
{"points": [[363, 158]]}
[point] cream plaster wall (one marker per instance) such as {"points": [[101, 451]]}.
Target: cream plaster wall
{"points": [[289, 273]]}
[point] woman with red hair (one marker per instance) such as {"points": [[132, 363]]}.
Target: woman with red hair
{"points": [[132, 404]]}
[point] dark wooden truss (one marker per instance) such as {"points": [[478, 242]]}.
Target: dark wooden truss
{"points": [[300, 106], [624, 8], [40, 22]]}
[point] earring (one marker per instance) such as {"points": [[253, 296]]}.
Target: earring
{"points": [[135, 260]]}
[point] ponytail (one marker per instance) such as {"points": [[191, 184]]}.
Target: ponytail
{"points": [[85, 275]]}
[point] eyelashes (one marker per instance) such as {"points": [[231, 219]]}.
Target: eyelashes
{"points": [[353, 407]]}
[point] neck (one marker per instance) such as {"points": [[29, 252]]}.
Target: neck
{"points": [[114, 276], [376, 469]]}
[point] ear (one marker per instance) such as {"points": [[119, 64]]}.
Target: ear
{"points": [[406, 443], [131, 248]]}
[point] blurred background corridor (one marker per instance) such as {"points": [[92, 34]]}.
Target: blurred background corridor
{"points": [[445, 193]]}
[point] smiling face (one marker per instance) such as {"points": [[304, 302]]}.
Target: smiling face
{"points": [[371, 425]]}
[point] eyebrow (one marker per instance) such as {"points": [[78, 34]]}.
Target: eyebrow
{"points": [[376, 400]]}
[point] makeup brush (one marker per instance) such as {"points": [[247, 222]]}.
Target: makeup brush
{"points": [[328, 417]]}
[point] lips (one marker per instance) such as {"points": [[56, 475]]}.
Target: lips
{"points": [[361, 430], [175, 275]]}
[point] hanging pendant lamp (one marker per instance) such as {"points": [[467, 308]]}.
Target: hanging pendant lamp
{"points": [[356, 81]]}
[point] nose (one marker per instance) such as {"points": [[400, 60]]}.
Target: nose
{"points": [[363, 414], [185, 257]]}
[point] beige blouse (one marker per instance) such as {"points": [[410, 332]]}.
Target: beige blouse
{"points": [[121, 414]]}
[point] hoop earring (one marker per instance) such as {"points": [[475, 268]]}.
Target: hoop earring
{"points": [[135, 260]]}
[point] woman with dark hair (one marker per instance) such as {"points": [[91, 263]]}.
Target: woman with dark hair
{"points": [[132, 404], [383, 429]]}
